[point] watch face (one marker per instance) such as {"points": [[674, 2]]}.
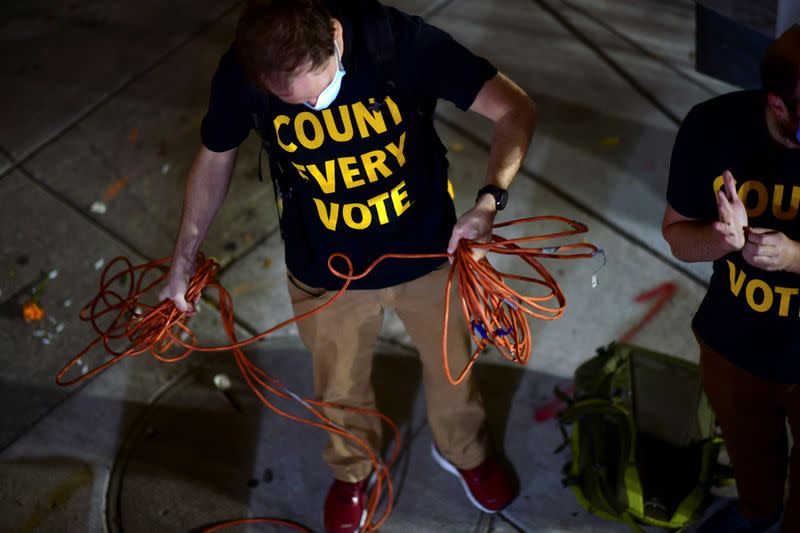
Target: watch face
{"points": [[502, 200], [500, 195]]}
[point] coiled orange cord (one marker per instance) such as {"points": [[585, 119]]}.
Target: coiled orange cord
{"points": [[494, 313]]}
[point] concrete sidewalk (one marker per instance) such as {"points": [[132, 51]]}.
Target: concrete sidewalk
{"points": [[103, 103]]}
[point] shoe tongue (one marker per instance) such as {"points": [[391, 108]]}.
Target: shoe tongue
{"points": [[348, 491], [480, 472]]}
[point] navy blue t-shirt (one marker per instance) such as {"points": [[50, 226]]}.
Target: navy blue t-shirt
{"points": [[749, 315], [363, 182]]}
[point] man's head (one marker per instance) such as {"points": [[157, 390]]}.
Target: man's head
{"points": [[780, 77], [287, 47]]}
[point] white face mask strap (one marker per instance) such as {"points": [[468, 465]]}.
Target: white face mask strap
{"points": [[338, 54]]}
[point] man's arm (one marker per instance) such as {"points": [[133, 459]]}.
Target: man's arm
{"points": [[693, 240], [206, 187], [514, 116]]}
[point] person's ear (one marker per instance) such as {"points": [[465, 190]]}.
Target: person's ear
{"points": [[778, 106], [336, 28]]}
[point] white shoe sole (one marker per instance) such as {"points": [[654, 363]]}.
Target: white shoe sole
{"points": [[362, 521], [448, 467]]}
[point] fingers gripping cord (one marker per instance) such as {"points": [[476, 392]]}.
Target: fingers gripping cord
{"points": [[494, 313]]}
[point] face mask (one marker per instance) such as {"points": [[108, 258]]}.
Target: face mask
{"points": [[329, 94]]}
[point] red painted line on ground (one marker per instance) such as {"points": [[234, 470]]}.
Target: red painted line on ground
{"points": [[662, 294]]}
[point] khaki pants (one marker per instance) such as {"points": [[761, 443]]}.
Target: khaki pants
{"points": [[752, 414], [341, 340]]}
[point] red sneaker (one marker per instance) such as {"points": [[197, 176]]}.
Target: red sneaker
{"points": [[346, 506], [488, 486]]}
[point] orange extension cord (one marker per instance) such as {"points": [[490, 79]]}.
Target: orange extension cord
{"points": [[495, 315]]}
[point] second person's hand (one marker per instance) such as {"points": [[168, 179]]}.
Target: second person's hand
{"points": [[771, 250], [732, 214]]}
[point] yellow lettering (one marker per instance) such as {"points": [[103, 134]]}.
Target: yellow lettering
{"points": [[300, 122], [364, 116], [327, 182], [347, 215], [394, 110], [762, 197], [379, 202], [330, 124], [375, 160], [766, 302], [328, 219], [279, 122], [736, 284], [348, 173], [768, 295], [450, 189], [300, 170], [786, 295], [398, 195], [398, 151], [777, 203]]}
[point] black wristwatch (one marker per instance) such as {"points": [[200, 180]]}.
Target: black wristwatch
{"points": [[500, 195]]}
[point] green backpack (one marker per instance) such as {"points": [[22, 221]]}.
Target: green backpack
{"points": [[644, 443]]}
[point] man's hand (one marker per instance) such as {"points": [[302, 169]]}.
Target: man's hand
{"points": [[732, 214], [206, 187], [771, 250], [476, 225], [175, 288]]}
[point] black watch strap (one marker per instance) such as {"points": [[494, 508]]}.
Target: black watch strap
{"points": [[500, 195]]}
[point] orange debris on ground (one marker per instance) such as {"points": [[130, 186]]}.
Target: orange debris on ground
{"points": [[31, 312], [114, 189]]}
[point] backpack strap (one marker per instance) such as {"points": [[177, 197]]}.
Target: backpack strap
{"points": [[281, 186], [380, 44], [631, 481], [691, 506], [260, 102], [379, 37]]}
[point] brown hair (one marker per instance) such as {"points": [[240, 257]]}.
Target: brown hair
{"points": [[276, 37], [780, 68]]}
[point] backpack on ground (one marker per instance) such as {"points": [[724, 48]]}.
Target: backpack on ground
{"points": [[644, 442]]}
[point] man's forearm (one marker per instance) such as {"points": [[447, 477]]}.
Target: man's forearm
{"points": [[695, 241], [206, 188], [512, 138]]}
